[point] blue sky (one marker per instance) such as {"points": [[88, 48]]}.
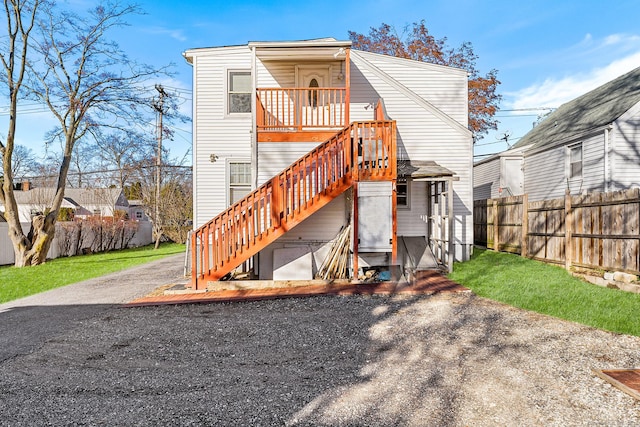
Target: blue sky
{"points": [[546, 52]]}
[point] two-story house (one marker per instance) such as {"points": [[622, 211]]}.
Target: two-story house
{"points": [[296, 142]]}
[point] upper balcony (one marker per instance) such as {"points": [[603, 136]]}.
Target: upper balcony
{"points": [[305, 90], [300, 114]]}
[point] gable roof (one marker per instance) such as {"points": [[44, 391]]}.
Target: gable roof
{"points": [[362, 59], [590, 111]]}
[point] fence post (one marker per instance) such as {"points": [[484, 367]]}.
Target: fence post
{"points": [[496, 243], [568, 230], [524, 246]]}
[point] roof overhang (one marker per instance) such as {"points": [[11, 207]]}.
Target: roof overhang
{"points": [[425, 170], [317, 49]]}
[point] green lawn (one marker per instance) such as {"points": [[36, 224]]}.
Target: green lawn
{"points": [[548, 289], [20, 282]]}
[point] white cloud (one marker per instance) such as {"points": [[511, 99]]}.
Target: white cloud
{"points": [[555, 91], [174, 34]]}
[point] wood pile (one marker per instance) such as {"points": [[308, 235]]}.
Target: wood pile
{"points": [[336, 263]]}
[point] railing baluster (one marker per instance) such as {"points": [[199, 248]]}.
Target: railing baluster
{"points": [[301, 108]]}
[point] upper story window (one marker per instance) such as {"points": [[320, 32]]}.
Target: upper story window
{"points": [[575, 161], [239, 92]]}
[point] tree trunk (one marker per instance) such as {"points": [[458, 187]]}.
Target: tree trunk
{"points": [[157, 230], [38, 241]]}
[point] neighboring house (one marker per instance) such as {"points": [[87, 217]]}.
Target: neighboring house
{"points": [[136, 210], [500, 175], [589, 144], [85, 202], [317, 136]]}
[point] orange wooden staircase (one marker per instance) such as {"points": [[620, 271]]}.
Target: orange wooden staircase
{"points": [[362, 151]]}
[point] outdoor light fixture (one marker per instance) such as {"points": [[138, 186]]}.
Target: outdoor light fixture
{"points": [[213, 158]]}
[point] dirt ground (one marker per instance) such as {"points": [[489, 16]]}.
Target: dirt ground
{"points": [[444, 360]]}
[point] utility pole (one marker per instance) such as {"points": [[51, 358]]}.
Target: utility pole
{"points": [[158, 105]]}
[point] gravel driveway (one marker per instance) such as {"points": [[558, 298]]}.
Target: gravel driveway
{"points": [[440, 360]]}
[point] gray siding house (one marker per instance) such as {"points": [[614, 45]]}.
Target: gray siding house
{"points": [[589, 144]]}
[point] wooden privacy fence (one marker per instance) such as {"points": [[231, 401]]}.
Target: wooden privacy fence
{"points": [[597, 231]]}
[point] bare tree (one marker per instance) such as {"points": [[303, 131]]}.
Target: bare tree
{"points": [[20, 19], [85, 80], [175, 204], [24, 163], [119, 153]]}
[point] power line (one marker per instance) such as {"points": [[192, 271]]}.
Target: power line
{"points": [[94, 172]]}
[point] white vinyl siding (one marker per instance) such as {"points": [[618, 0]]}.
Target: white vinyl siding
{"points": [[545, 176], [486, 179], [441, 86], [273, 157], [412, 221], [215, 132], [273, 74], [625, 151], [547, 172], [423, 134]]}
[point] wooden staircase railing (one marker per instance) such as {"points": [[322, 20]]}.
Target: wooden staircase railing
{"points": [[362, 151]]}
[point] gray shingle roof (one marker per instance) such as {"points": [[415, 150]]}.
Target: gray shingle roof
{"points": [[74, 196], [592, 110]]}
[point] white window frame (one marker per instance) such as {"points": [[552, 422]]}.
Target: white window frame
{"points": [[409, 182], [228, 177], [570, 163], [227, 92]]}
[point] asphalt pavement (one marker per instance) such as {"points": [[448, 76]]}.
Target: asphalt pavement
{"points": [[30, 321]]}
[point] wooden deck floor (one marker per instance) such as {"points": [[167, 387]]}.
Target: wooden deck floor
{"points": [[627, 380], [425, 283]]}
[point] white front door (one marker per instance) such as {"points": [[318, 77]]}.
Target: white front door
{"points": [[312, 101]]}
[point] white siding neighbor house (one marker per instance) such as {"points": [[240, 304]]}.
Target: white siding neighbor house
{"points": [[299, 143], [501, 175], [84, 202], [590, 144]]}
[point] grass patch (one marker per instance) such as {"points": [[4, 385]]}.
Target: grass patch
{"points": [[548, 289], [21, 282]]}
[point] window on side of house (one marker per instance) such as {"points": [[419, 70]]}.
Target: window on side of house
{"points": [[239, 180], [575, 161], [239, 92], [403, 192]]}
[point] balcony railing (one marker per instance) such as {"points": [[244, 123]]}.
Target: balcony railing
{"points": [[299, 109]]}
